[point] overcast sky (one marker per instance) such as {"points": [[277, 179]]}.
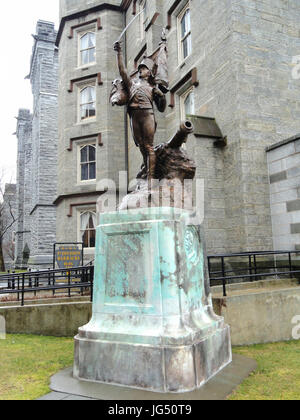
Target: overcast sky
{"points": [[18, 23]]}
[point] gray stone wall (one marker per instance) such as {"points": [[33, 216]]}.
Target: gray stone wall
{"points": [[9, 224], [265, 39], [284, 171], [24, 164]]}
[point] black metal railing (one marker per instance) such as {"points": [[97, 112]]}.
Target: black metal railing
{"points": [[69, 282], [226, 269]]}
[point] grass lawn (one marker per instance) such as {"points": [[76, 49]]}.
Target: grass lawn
{"points": [[278, 374], [28, 362], [11, 272]]}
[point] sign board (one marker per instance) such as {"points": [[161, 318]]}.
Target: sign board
{"points": [[68, 256]]}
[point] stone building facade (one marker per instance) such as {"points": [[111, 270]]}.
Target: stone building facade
{"points": [[8, 224], [37, 156], [231, 67]]}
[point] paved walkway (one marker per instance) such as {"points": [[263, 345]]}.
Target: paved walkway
{"points": [[58, 396], [66, 388]]}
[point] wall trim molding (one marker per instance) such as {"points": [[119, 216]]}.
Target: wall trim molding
{"points": [[81, 25], [63, 197], [193, 75], [83, 78], [170, 13], [72, 205], [98, 136]]}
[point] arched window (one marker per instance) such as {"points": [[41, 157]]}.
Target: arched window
{"points": [[187, 104], [88, 162], [87, 48], [88, 221], [88, 102], [185, 33]]}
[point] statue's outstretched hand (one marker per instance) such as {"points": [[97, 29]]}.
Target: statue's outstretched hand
{"points": [[117, 47]]}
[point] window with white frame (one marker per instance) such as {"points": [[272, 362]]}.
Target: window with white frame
{"points": [[87, 48], [184, 30], [88, 162], [87, 102], [88, 221], [187, 103]]}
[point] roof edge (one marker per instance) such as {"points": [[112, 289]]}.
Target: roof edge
{"points": [[283, 143]]}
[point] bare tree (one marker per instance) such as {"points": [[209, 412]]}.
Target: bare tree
{"points": [[7, 219], [9, 249]]}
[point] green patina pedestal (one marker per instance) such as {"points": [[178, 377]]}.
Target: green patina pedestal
{"points": [[153, 325]]}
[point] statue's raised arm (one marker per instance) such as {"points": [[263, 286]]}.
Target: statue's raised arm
{"points": [[123, 72]]}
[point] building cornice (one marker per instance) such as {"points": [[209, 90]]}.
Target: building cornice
{"points": [[283, 143], [83, 13], [63, 197]]}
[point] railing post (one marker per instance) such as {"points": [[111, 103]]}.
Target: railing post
{"points": [[92, 283], [224, 279], [250, 265], [81, 281], [290, 265], [69, 283], [23, 289], [209, 267], [255, 265], [35, 284], [18, 288], [53, 283]]}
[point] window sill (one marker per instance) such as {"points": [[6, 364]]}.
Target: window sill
{"points": [[86, 66], [83, 183], [87, 121], [183, 62]]}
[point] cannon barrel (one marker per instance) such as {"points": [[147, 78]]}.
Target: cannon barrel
{"points": [[180, 137]]}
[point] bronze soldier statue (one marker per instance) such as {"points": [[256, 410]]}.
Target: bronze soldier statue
{"points": [[140, 93]]}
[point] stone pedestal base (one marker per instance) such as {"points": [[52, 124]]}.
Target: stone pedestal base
{"points": [[153, 325], [157, 369]]}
